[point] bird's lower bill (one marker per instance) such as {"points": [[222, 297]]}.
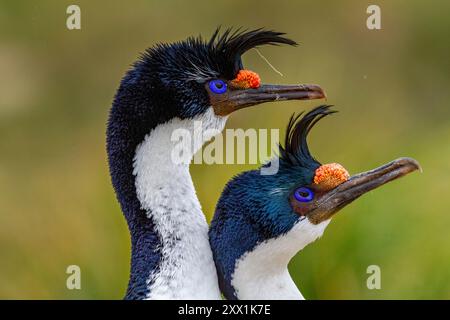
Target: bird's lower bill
{"points": [[337, 198], [238, 98]]}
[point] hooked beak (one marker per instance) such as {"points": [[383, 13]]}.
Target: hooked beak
{"points": [[337, 198], [237, 98]]}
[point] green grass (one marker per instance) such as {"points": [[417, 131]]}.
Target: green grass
{"points": [[57, 206]]}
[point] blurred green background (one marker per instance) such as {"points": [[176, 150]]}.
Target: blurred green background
{"points": [[391, 86]]}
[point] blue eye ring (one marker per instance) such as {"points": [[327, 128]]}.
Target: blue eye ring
{"points": [[218, 86], [304, 194]]}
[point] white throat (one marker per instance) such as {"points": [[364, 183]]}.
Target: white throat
{"points": [[262, 273], [166, 192]]}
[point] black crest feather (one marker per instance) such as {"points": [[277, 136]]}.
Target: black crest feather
{"points": [[231, 45], [220, 56], [296, 151]]}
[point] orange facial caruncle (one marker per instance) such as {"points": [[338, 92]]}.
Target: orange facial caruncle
{"points": [[329, 176], [246, 79]]}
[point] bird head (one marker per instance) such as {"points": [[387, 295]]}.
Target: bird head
{"points": [[267, 219], [187, 78], [316, 191]]}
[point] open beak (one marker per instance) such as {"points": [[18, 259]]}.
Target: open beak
{"points": [[237, 98], [334, 200]]}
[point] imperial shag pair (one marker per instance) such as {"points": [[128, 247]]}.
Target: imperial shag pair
{"points": [[261, 221]]}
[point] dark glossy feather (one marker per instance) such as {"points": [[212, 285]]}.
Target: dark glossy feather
{"points": [[295, 150], [231, 45], [220, 56]]}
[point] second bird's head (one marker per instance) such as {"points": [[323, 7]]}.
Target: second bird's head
{"points": [[262, 221]]}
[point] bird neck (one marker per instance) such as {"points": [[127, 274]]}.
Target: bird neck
{"points": [[262, 273], [171, 257], [157, 196], [166, 192]]}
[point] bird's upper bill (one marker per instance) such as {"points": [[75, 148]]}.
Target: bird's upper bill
{"points": [[334, 189], [246, 90]]}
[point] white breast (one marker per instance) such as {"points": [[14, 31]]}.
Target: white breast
{"points": [[262, 273], [165, 190]]}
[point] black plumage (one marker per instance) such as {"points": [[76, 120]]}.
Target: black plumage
{"points": [[295, 150], [167, 81]]}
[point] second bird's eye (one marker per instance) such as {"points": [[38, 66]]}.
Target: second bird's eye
{"points": [[304, 194], [218, 86]]}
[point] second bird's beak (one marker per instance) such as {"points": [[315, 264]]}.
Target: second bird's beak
{"points": [[238, 98], [332, 201]]}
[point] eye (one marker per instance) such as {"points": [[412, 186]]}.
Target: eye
{"points": [[218, 86], [304, 194]]}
